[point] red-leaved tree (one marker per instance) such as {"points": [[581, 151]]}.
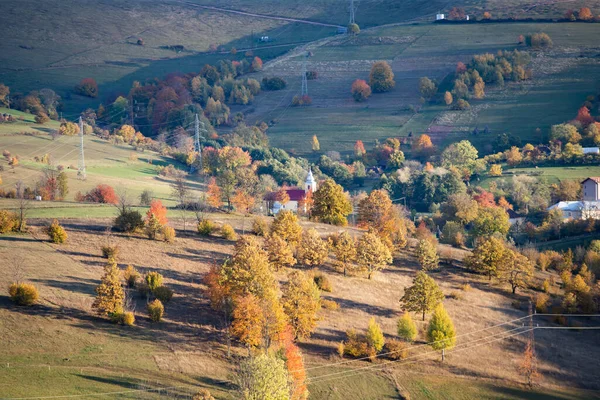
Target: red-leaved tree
{"points": [[159, 211], [360, 90]]}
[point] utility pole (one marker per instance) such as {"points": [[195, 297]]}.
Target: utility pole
{"points": [[197, 137], [81, 166], [304, 78], [352, 11]]}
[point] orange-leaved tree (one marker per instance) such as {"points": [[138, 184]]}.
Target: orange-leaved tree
{"points": [[159, 211], [294, 364], [215, 194]]}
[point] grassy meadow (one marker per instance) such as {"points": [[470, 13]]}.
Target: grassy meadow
{"points": [[563, 77]]}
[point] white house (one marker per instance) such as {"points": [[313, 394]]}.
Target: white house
{"points": [[588, 207], [439, 17], [296, 195], [591, 150]]}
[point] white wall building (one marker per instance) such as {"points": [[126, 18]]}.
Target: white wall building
{"points": [[296, 195], [588, 207]]}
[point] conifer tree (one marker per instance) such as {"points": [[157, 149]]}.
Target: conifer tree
{"points": [[374, 336], [441, 334], [407, 329], [110, 294]]}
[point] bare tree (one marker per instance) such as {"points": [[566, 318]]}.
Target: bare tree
{"points": [[181, 192], [23, 204]]}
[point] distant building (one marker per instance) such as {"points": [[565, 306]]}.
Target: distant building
{"points": [[439, 17], [591, 150], [587, 208], [296, 195], [514, 217]]}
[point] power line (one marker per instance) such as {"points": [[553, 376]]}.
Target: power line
{"points": [[81, 167]]}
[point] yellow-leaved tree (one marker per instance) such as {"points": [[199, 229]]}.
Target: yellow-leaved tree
{"points": [[109, 294], [280, 252], [331, 204], [301, 302], [371, 254], [312, 250], [286, 226], [344, 248]]}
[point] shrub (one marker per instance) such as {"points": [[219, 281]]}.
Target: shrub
{"points": [[546, 286], [146, 197], [465, 287], [103, 194], [163, 293], [456, 295], [129, 221], [355, 345], [203, 394], [128, 318], [23, 294], [156, 310], [407, 329], [541, 302], [360, 90], [168, 234], [227, 232], [322, 282], [275, 83], [330, 305], [312, 75], [260, 226], [461, 105], [110, 251], [131, 275], [153, 280], [87, 87], [341, 349], [395, 349], [56, 232], [206, 227], [8, 221]]}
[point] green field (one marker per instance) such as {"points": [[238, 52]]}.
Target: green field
{"points": [[563, 77]]}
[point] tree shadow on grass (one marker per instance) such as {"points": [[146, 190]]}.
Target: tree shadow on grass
{"points": [[17, 239], [73, 284], [203, 256], [368, 308]]}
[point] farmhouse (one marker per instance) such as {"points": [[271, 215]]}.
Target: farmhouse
{"points": [[588, 207], [297, 196]]}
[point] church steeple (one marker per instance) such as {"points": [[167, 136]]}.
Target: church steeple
{"points": [[310, 184]]}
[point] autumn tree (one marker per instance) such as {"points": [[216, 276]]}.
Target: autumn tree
{"points": [[316, 146], [109, 294], [488, 257], [374, 336], [295, 365], [495, 170], [301, 302], [312, 250], [371, 254], [427, 87], [257, 64], [344, 249], [491, 220], [263, 377], [361, 90], [257, 321], [517, 270], [423, 145], [87, 87], [156, 218], [286, 226], [487, 15], [585, 14], [331, 204], [461, 207], [528, 365], [4, 95], [381, 78], [423, 296], [441, 334], [427, 255], [359, 149], [407, 329], [215, 194], [280, 252], [448, 99]]}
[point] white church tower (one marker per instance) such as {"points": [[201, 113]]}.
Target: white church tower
{"points": [[310, 184]]}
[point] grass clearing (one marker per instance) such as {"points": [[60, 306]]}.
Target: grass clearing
{"points": [[564, 75]]}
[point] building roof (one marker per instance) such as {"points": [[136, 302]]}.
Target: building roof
{"points": [[512, 214], [575, 205], [295, 194], [594, 178]]}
